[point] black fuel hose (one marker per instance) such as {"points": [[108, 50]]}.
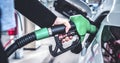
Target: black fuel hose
{"points": [[20, 43]]}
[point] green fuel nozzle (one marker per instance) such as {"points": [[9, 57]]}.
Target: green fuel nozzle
{"points": [[83, 26]]}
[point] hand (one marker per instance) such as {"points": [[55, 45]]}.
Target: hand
{"points": [[63, 21], [63, 37]]}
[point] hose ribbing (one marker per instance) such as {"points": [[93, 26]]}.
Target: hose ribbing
{"points": [[20, 43]]}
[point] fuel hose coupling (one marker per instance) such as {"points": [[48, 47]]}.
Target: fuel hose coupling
{"points": [[42, 33]]}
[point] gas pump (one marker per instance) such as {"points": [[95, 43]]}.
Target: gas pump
{"points": [[77, 22]]}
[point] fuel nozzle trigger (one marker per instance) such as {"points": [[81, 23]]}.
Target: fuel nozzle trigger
{"points": [[59, 49]]}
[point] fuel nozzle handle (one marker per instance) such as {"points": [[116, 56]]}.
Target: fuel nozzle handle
{"points": [[79, 24], [60, 29]]}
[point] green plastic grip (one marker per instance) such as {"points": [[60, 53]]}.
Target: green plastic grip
{"points": [[83, 26], [42, 33]]}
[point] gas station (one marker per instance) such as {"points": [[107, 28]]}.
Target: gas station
{"points": [[95, 31]]}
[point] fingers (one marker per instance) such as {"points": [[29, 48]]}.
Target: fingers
{"points": [[65, 38]]}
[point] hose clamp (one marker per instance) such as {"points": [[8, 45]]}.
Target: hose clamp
{"points": [[50, 31]]}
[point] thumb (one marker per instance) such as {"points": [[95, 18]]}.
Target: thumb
{"points": [[67, 25]]}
